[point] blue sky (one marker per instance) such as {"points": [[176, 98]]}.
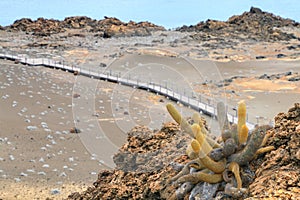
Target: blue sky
{"points": [[169, 13]]}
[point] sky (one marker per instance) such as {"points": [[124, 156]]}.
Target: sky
{"points": [[168, 13]]}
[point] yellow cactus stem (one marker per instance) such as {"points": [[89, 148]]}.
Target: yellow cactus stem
{"points": [[241, 116], [195, 128], [196, 118], [200, 145], [203, 129], [217, 167], [235, 168], [264, 150], [174, 113], [200, 176], [213, 143], [196, 146], [190, 152], [243, 157], [186, 169], [186, 126], [243, 134], [197, 166], [180, 120], [268, 134]]}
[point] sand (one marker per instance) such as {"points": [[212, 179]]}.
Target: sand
{"points": [[39, 156]]}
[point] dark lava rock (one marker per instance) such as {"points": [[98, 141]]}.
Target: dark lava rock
{"points": [[295, 78], [278, 76], [102, 65], [256, 10], [293, 47], [75, 130], [260, 57], [280, 55]]}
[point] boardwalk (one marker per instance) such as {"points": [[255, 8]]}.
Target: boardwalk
{"points": [[193, 103]]}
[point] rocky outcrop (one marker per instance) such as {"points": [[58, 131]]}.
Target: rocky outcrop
{"points": [[256, 25], [144, 164], [108, 27], [148, 159], [278, 174]]}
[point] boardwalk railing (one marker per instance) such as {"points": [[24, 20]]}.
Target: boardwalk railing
{"points": [[196, 104]]}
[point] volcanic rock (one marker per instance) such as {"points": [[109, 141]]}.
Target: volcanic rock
{"points": [[143, 166], [278, 172], [256, 25], [108, 27]]}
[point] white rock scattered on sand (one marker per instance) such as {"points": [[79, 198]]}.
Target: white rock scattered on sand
{"points": [[71, 159], [11, 157], [49, 137], [43, 148], [14, 104], [23, 174], [24, 109], [62, 138], [44, 124], [55, 191], [63, 174], [101, 161], [65, 132], [17, 179], [5, 96], [30, 170], [93, 158], [31, 128], [42, 173], [45, 166]]}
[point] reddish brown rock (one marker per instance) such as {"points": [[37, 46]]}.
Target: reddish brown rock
{"points": [[278, 174], [108, 27]]}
